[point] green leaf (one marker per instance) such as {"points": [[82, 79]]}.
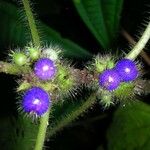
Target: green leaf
{"points": [[112, 13], [14, 32], [17, 134], [11, 27], [27, 133], [130, 129], [101, 17]]}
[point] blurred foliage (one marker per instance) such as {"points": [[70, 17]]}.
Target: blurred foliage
{"points": [[17, 134], [130, 128], [101, 17], [14, 31]]}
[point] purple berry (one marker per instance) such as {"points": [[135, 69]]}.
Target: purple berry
{"points": [[127, 70], [109, 79], [45, 69], [36, 101]]}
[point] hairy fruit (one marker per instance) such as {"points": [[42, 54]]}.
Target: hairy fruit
{"points": [[19, 59], [127, 70], [36, 101], [109, 79], [34, 53], [45, 69]]}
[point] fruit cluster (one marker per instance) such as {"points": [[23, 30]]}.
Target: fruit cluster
{"points": [[124, 71], [36, 100], [48, 76]]}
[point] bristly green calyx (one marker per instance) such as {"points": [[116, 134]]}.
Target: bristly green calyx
{"points": [[104, 62]]}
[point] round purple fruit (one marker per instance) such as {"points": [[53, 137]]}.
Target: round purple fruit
{"points": [[45, 69], [127, 70], [36, 101], [109, 79]]}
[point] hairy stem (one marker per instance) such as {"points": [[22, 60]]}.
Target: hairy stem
{"points": [[130, 39], [42, 131], [140, 44], [32, 24], [72, 116], [9, 68], [36, 40]]}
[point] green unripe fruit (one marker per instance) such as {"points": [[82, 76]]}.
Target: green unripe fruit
{"points": [[67, 84], [34, 53], [100, 67], [106, 99], [110, 64], [23, 86], [103, 62], [125, 91], [65, 79], [19, 59]]}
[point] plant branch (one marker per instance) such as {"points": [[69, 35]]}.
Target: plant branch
{"points": [[32, 23], [140, 44], [82, 77], [9, 68], [132, 41], [72, 116], [42, 131], [36, 40], [89, 120]]}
